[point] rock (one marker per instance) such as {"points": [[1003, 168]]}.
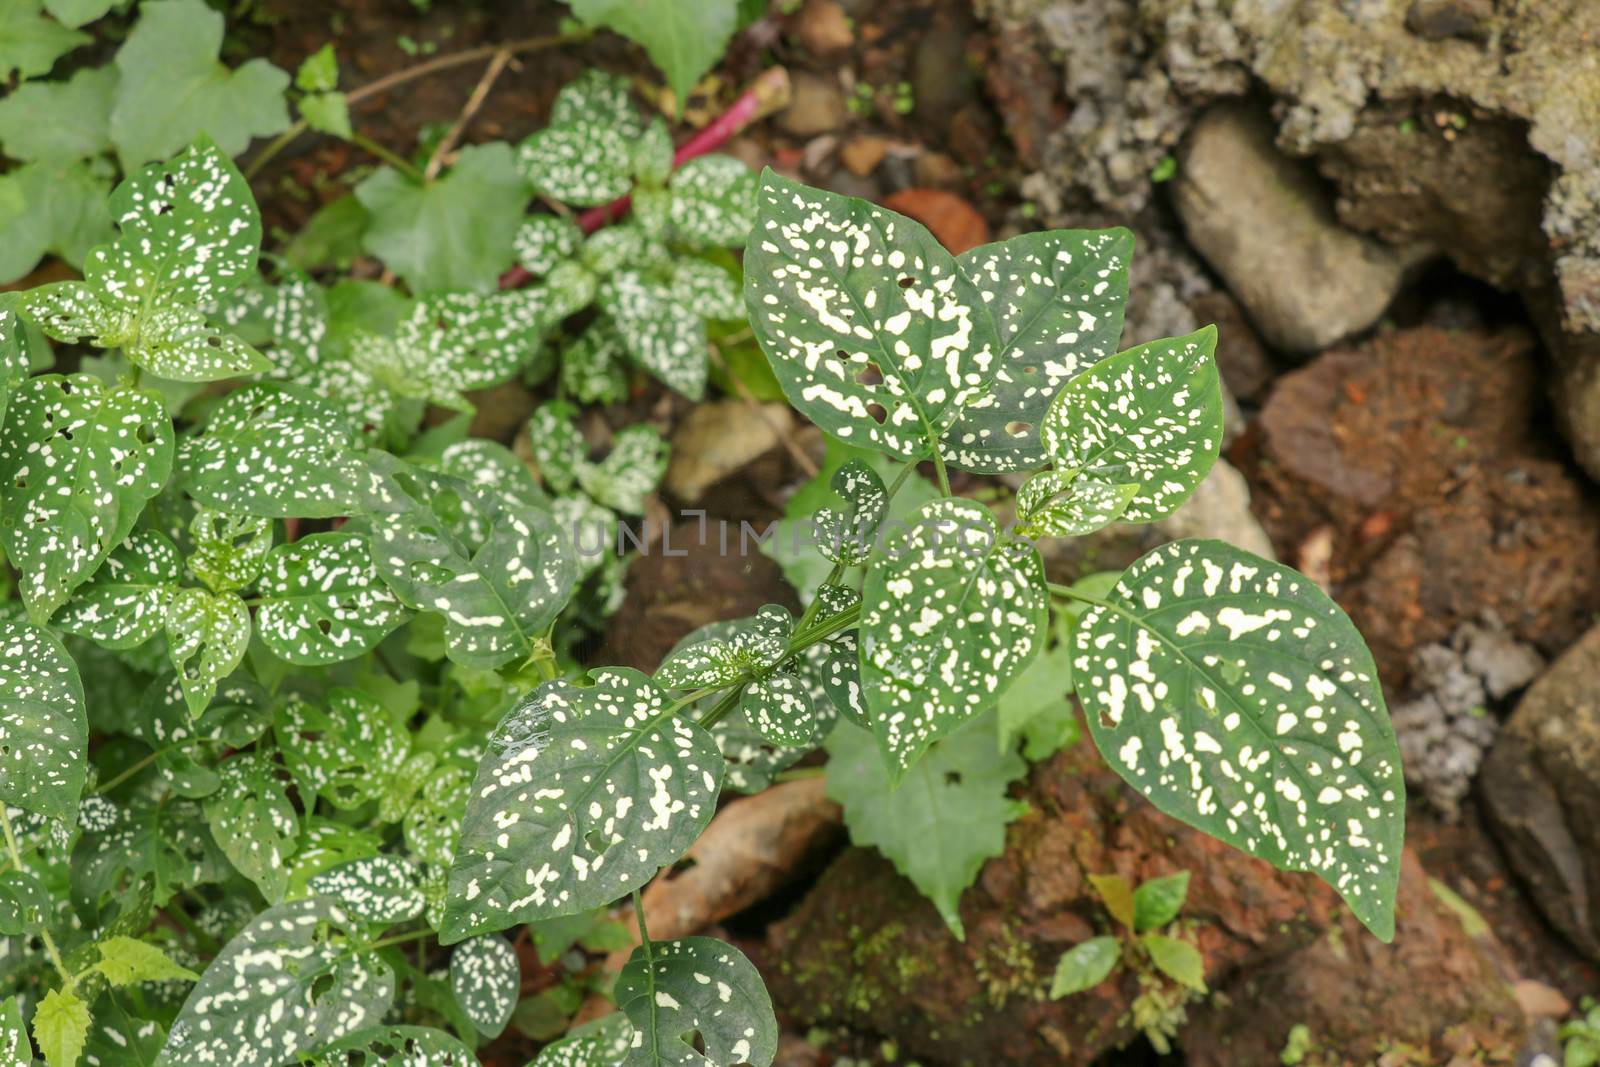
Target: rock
{"points": [[936, 169], [823, 27], [1220, 508], [1540, 1001], [1428, 455], [954, 221], [1437, 19], [862, 154], [1264, 223], [1541, 791], [719, 438], [1247, 370], [816, 105]]}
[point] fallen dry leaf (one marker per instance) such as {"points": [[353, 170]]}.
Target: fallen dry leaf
{"points": [[956, 223]]}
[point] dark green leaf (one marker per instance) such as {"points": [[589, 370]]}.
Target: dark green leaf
{"points": [[321, 600], [396, 1046], [207, 634], [375, 889], [125, 603], [486, 980], [253, 822], [44, 731], [697, 987]]}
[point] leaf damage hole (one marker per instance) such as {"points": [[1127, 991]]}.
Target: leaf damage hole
{"points": [[879, 413]]}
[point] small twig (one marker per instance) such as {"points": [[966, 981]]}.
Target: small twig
{"points": [[474, 102], [796, 453]]}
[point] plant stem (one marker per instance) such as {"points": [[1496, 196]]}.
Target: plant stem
{"points": [[399, 163], [44, 934], [723, 706], [474, 102], [644, 931], [938, 466], [400, 939], [1068, 591]]}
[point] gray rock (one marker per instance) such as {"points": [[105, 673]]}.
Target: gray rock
{"points": [[1220, 508], [1541, 790], [1265, 223]]}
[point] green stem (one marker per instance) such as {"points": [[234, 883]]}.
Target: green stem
{"points": [[938, 466], [44, 934], [404, 166], [400, 939], [644, 931], [729, 700], [1068, 591]]}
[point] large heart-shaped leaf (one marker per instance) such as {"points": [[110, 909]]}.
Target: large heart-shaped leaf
{"points": [[674, 992], [289, 983], [486, 980], [1236, 696], [320, 600], [125, 603], [78, 460], [253, 822], [950, 616], [44, 730], [584, 794]]}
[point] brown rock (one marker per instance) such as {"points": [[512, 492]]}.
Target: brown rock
{"points": [[1540, 1001], [823, 27], [718, 439], [936, 169], [1247, 370], [816, 105], [863, 153], [954, 221]]}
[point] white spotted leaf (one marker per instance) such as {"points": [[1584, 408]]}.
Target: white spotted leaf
{"points": [[207, 634], [78, 460], [15, 361], [584, 794], [585, 155], [229, 549], [14, 1044], [542, 241], [396, 1046], [1149, 417], [629, 473], [44, 729], [375, 889], [1056, 303], [343, 753], [713, 202], [675, 991], [605, 1042], [293, 975], [662, 335], [950, 616], [125, 603], [780, 709], [320, 600], [253, 822], [1239, 699], [1066, 504], [486, 980], [847, 537]]}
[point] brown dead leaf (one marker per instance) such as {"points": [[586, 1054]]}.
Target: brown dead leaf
{"points": [[954, 221]]}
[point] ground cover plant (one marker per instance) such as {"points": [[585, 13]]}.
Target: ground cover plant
{"points": [[292, 733]]}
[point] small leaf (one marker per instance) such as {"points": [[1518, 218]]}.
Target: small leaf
{"points": [[1084, 966], [1061, 504], [344, 754], [848, 537], [293, 973], [1239, 699], [629, 473], [321, 600], [604, 1042], [713, 202], [253, 822], [1157, 901], [585, 155], [25, 904], [44, 729], [780, 709], [318, 72], [126, 960], [660, 334], [327, 113], [624, 786], [1117, 895], [61, 1027], [711, 291], [950, 618], [375, 889], [696, 987], [542, 241], [229, 549], [14, 1046], [486, 980], [125, 603], [207, 634], [1178, 960]]}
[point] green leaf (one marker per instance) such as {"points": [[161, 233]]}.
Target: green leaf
{"points": [[50, 208], [605, 1042], [780, 709], [61, 1027], [63, 121], [1084, 966], [1065, 504], [173, 89], [397, 1046], [327, 113], [295, 975], [584, 794], [253, 822], [943, 819], [848, 538], [1178, 960], [585, 155], [697, 987], [591, 366], [44, 730], [126, 960], [318, 72], [660, 334], [169, 844], [82, 12], [331, 237], [25, 904], [453, 233], [321, 600], [558, 447], [1157, 901], [16, 356], [1149, 417], [542, 241], [344, 754], [229, 549], [1239, 699], [30, 43], [1038, 708], [486, 980], [14, 1045], [125, 603], [629, 473], [78, 460], [710, 290], [207, 634], [652, 154], [490, 467], [375, 889], [1117, 895], [1055, 302], [685, 38], [949, 618], [713, 202]]}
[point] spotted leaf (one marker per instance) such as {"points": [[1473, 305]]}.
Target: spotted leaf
{"points": [[321, 600], [343, 753], [707, 288], [1067, 504], [375, 889], [44, 730], [630, 471], [1239, 699], [253, 822], [1055, 300], [662, 335], [780, 709], [558, 447], [948, 620], [1150, 417], [713, 202], [229, 549], [696, 1001], [289, 983], [847, 537], [78, 460], [584, 794], [542, 241], [125, 603], [270, 451], [491, 467], [586, 154], [15, 363], [486, 980], [605, 1042], [14, 1044], [396, 1046], [591, 367], [207, 634]]}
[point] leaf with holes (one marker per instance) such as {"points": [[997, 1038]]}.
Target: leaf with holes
{"points": [[660, 334], [713, 202], [271, 451], [584, 794], [229, 549], [948, 620], [24, 903], [605, 1042], [1084, 966], [1055, 302], [396, 1046], [295, 974], [14, 1046], [78, 461], [320, 600], [1239, 699], [253, 822], [125, 603], [375, 889], [940, 821], [207, 634], [44, 729], [629, 473], [343, 754], [486, 980], [1149, 417], [847, 537], [696, 1001]]}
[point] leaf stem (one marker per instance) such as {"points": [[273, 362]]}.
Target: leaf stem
{"points": [[722, 707], [394, 160], [44, 933], [938, 466], [1068, 591], [400, 939]]}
